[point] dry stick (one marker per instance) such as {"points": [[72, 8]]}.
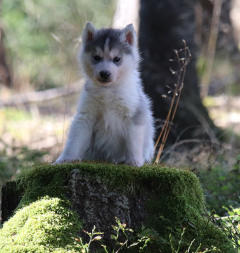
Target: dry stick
{"points": [[178, 89], [35, 97], [182, 71], [165, 131], [165, 124], [177, 93], [179, 81], [187, 57]]}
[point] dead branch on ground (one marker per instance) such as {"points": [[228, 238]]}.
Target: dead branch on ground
{"points": [[40, 96]]}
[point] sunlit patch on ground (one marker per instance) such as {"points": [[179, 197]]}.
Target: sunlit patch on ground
{"points": [[47, 132], [19, 128], [225, 111]]}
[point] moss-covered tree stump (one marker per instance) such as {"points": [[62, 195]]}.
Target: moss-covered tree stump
{"points": [[58, 202]]}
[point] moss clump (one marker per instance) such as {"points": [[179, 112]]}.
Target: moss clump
{"points": [[173, 200], [47, 225]]}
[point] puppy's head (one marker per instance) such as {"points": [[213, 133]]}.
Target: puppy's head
{"points": [[108, 55]]}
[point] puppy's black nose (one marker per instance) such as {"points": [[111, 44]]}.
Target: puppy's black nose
{"points": [[105, 75]]}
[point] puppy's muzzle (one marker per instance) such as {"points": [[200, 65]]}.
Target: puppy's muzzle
{"points": [[105, 76]]}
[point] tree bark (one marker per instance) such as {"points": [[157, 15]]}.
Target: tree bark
{"points": [[226, 42], [5, 73], [163, 26], [10, 198], [151, 201], [126, 13]]}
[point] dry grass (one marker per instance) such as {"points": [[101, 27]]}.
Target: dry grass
{"points": [[182, 58]]}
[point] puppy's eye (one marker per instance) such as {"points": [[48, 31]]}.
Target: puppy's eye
{"points": [[97, 58], [116, 59]]}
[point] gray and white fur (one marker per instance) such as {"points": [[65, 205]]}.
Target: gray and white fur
{"points": [[114, 121]]}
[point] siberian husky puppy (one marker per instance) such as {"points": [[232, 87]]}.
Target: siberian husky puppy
{"points": [[114, 121]]}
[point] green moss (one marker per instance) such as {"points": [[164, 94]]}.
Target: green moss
{"points": [[121, 177], [41, 181], [174, 200], [47, 225]]}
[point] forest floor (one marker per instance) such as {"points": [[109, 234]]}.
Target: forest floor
{"points": [[225, 111], [37, 135], [44, 127]]}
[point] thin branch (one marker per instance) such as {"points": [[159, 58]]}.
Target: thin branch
{"points": [[182, 65], [40, 96]]}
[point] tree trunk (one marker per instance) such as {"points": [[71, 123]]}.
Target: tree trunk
{"points": [[163, 26], [226, 42], [126, 13], [5, 74]]}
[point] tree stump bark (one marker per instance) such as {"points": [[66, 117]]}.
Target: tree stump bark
{"points": [[153, 200], [10, 198]]}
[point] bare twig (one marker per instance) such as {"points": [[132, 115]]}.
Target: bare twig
{"points": [[40, 96], [183, 57]]}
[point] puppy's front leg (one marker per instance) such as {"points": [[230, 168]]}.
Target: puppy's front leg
{"points": [[78, 140], [135, 142]]}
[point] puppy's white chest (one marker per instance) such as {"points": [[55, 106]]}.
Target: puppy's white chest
{"points": [[115, 107], [115, 120]]}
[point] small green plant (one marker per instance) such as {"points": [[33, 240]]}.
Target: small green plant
{"points": [[221, 187], [93, 236], [122, 238], [177, 248], [231, 225]]}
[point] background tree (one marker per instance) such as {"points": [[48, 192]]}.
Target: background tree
{"points": [[216, 37], [226, 41], [163, 26], [5, 74]]}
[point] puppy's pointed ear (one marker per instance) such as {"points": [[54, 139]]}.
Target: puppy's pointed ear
{"points": [[88, 33], [129, 35]]}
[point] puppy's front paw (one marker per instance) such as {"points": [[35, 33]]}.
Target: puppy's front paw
{"points": [[59, 161], [64, 160]]}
